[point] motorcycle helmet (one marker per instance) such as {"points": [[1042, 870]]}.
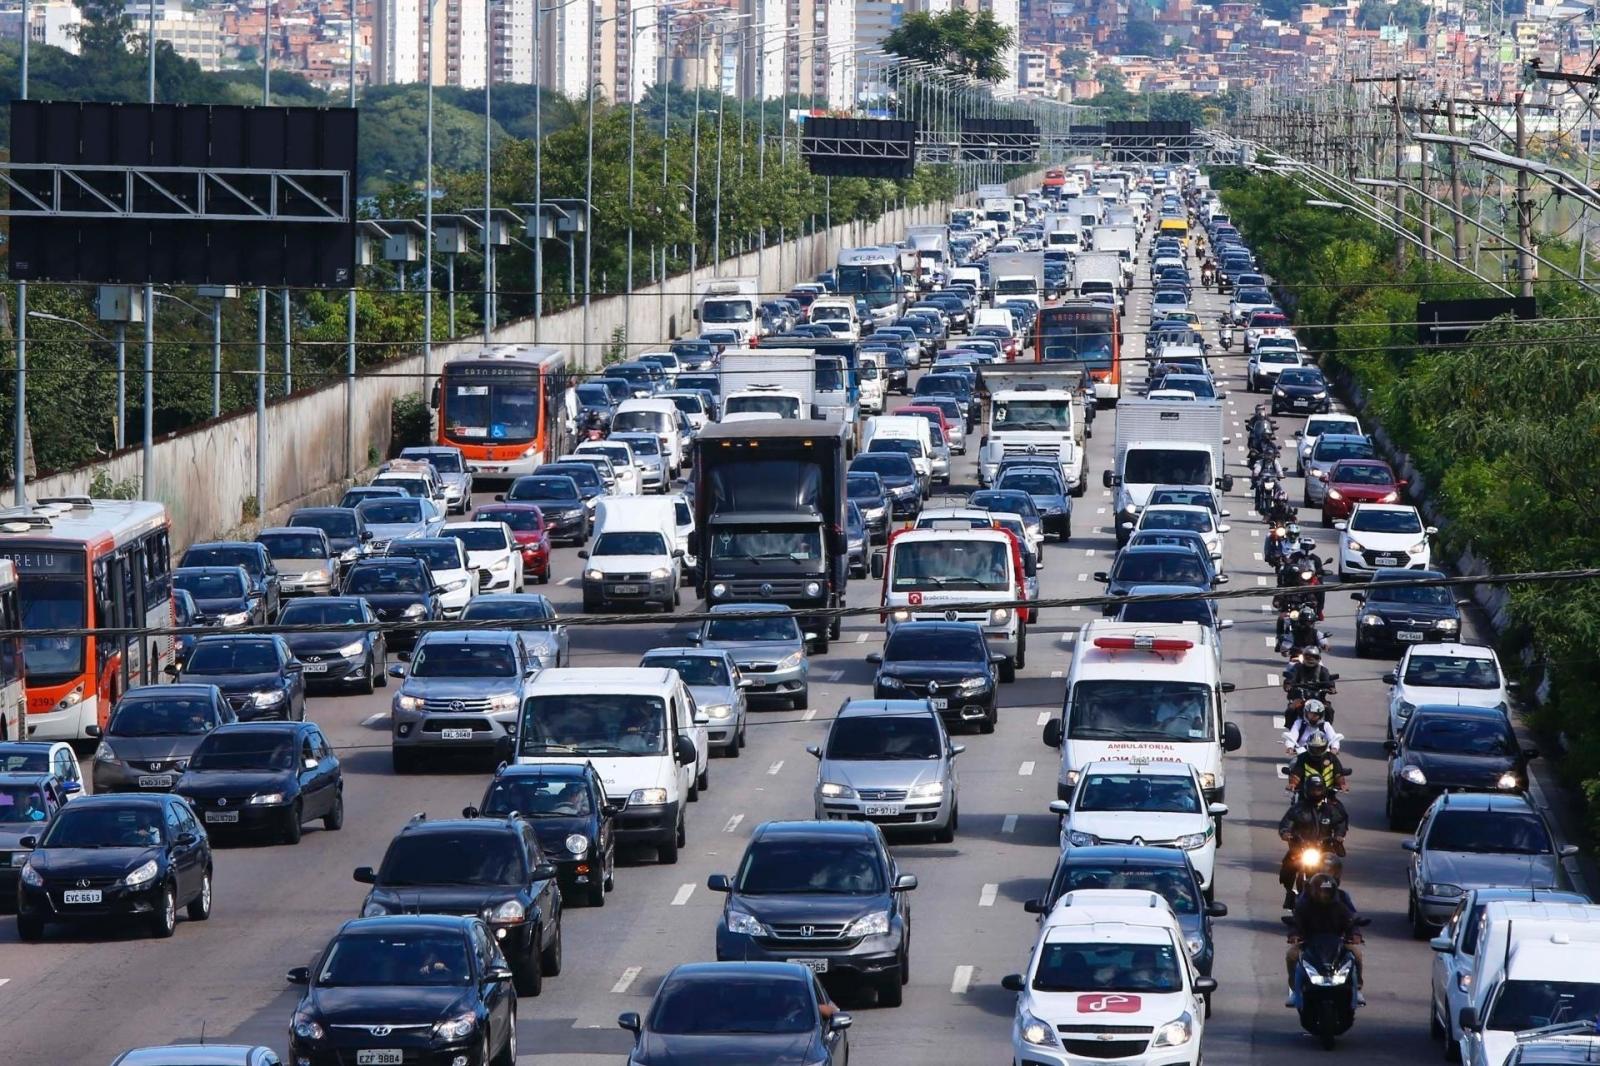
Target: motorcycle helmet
{"points": [[1311, 656], [1315, 707], [1315, 788], [1291, 530], [1324, 888], [1317, 744], [1308, 614]]}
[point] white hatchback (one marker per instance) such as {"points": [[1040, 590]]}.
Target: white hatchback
{"points": [[1379, 535], [1459, 675], [1143, 803], [491, 550]]}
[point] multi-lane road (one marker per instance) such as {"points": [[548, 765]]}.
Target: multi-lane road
{"points": [[80, 998]]}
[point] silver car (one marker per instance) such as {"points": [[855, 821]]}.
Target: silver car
{"points": [[153, 731], [401, 518], [454, 476], [718, 690], [1306, 438], [648, 458], [306, 562], [890, 762], [771, 652], [532, 618], [1329, 449], [461, 692]]}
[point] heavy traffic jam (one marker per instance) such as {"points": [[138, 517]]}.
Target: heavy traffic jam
{"points": [[1027, 578]]}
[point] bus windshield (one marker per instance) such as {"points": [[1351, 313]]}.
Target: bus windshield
{"points": [[480, 409], [1077, 340], [878, 282], [52, 603]]}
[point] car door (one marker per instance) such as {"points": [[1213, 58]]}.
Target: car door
{"points": [[549, 898], [603, 822], [271, 584], [681, 724], [183, 843], [329, 770], [496, 992], [1447, 965], [64, 764], [315, 794], [834, 1040]]}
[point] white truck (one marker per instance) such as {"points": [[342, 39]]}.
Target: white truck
{"points": [[1035, 422], [1121, 241], [730, 303], [1163, 442], [1086, 211], [1018, 276], [998, 209], [932, 245], [781, 381], [1094, 273]]}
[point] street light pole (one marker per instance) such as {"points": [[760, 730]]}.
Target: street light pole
{"points": [[427, 224], [19, 442]]}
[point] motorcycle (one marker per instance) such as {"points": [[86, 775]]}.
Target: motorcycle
{"points": [[1208, 276], [1227, 336], [1295, 700], [1325, 985], [1293, 747]]}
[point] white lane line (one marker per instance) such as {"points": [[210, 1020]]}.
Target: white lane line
{"points": [[1274, 678], [1100, 510], [1044, 716], [811, 712], [625, 980], [1026, 769], [1261, 579], [733, 823], [4, 981], [1083, 577], [1105, 494], [1259, 558], [1009, 824], [369, 720], [1088, 553], [1255, 532], [1055, 673], [1270, 640], [833, 675], [681, 897], [961, 981], [772, 771], [861, 638], [987, 896], [570, 582], [1077, 607]]}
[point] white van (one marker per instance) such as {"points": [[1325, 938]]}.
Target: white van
{"points": [[994, 316], [1144, 689], [869, 377], [911, 434], [1530, 957], [839, 315], [633, 559], [636, 727], [658, 416]]}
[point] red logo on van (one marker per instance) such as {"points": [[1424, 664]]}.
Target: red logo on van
{"points": [[914, 599], [1108, 1004]]}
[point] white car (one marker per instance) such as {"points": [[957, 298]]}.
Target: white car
{"points": [[1316, 426], [625, 465], [623, 481], [445, 558], [1267, 362], [1460, 675], [1383, 534], [492, 550], [1143, 802], [1201, 520]]}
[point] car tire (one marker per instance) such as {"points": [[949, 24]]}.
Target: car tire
{"points": [[380, 678], [1008, 671], [544, 576], [550, 957], [1421, 928], [1436, 1030], [1305, 498], [947, 833], [1022, 647], [200, 907], [29, 929], [333, 821], [803, 701], [595, 892], [508, 1054], [292, 829], [667, 850], [404, 760], [527, 976], [164, 922], [703, 781], [891, 991], [369, 680], [987, 723], [591, 605]]}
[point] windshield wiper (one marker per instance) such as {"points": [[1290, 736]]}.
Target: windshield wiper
{"points": [[549, 746]]}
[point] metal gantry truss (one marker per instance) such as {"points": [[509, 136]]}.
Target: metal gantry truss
{"points": [[195, 194], [943, 146]]}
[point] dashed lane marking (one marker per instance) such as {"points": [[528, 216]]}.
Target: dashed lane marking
{"points": [[1044, 716], [625, 981], [1055, 673], [1274, 678], [733, 823], [811, 712], [861, 638], [681, 897], [986, 898], [1088, 553], [1270, 641], [1008, 824], [1261, 580], [772, 771], [961, 981], [1258, 557], [1255, 532], [1026, 769], [374, 719], [1083, 577]]}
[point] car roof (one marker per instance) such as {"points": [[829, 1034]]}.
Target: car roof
{"points": [[724, 970], [936, 626], [1141, 767], [687, 652], [424, 825], [470, 636], [1454, 651], [1478, 801], [223, 544], [1400, 573], [543, 769], [261, 725], [417, 923], [112, 799], [232, 568], [175, 688], [832, 830], [1388, 508], [298, 531], [875, 708]]}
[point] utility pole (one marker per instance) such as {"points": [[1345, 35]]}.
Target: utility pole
{"points": [[1399, 176], [1458, 232], [1524, 207]]}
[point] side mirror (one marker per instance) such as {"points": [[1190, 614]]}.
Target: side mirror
{"points": [[1442, 944], [996, 658], [1228, 686], [719, 883], [1060, 807], [1216, 910], [1226, 623], [184, 840], [1468, 1020], [1012, 982], [300, 975], [1227, 486], [397, 670], [71, 788], [1221, 579], [1205, 985], [683, 751], [91, 731], [1359, 597], [583, 553], [1390, 747], [814, 751], [544, 871], [1530, 753], [469, 811], [1053, 733], [1341, 525], [957, 749], [1217, 809], [1409, 844], [840, 1022], [1034, 906], [629, 1020], [366, 875], [875, 658], [1431, 530], [1567, 851], [500, 497], [1224, 528], [1391, 678], [498, 973], [905, 882], [745, 682], [1231, 740], [1102, 575], [28, 842]]}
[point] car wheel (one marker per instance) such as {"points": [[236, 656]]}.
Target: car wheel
{"points": [[29, 928], [380, 678], [802, 701], [369, 680], [544, 576], [1421, 928], [165, 920], [1008, 671], [526, 974], [404, 760], [667, 850], [333, 821], [1435, 1030], [1305, 498], [550, 957], [508, 1054], [947, 834], [987, 723], [703, 781], [591, 605], [291, 825], [1022, 647], [200, 906], [595, 893], [891, 992]]}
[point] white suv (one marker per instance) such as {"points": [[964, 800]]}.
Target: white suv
{"points": [[491, 550], [1381, 535], [1461, 675]]}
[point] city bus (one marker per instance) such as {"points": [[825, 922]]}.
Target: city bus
{"points": [[875, 274], [504, 409], [89, 564], [1084, 334], [13, 696]]}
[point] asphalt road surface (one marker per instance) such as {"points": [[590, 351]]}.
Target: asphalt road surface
{"points": [[81, 998]]}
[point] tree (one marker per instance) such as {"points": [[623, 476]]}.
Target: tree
{"points": [[1142, 38], [958, 40], [105, 28]]}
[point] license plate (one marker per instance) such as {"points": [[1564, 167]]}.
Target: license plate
{"points": [[155, 781], [625, 590], [382, 1057], [814, 965], [882, 810], [316, 668], [1301, 403], [456, 734], [1387, 560], [81, 895], [940, 703], [222, 817], [1408, 634]]}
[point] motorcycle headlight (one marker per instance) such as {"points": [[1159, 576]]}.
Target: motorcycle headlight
{"points": [[928, 790], [792, 661], [1509, 779], [833, 790], [237, 618], [374, 909], [266, 799], [31, 877], [267, 697], [144, 873], [744, 924], [103, 753], [1190, 841], [307, 1028], [416, 610], [719, 710], [1000, 616], [1415, 775], [1175, 1033], [458, 1028], [1082, 840], [660, 573], [352, 649], [511, 912], [592, 575], [874, 924], [648, 797], [1035, 1032], [578, 844], [1439, 888], [1311, 858]]}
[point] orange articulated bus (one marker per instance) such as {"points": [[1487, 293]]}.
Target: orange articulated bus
{"points": [[1083, 334], [504, 409]]}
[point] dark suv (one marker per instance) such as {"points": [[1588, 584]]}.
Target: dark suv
{"points": [[947, 663]]}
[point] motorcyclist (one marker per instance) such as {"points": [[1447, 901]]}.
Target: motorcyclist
{"points": [[1312, 722], [1319, 762], [1316, 819], [1308, 673], [1278, 540], [1298, 629], [1258, 424], [1324, 909]]}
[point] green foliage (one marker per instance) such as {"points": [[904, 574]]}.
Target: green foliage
{"points": [[103, 487], [958, 40], [410, 423], [617, 348], [1410, 14]]}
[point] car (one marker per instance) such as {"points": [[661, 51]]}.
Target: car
{"points": [[399, 519], [645, 448], [199, 1055], [954, 384], [1197, 386], [1378, 535], [898, 475], [1353, 481], [1329, 449], [774, 1013], [529, 533], [1018, 502], [355, 495], [596, 405], [1300, 389], [340, 656], [828, 895], [265, 778], [151, 734], [460, 693], [448, 971], [1159, 564], [1248, 299], [1191, 517], [1478, 840], [641, 382], [449, 561], [865, 489], [1044, 484], [222, 596], [1394, 616], [307, 564], [889, 762], [492, 554], [54, 757], [255, 559], [532, 617], [1165, 871], [1451, 749], [1266, 363], [566, 805], [591, 482], [620, 479], [347, 531], [718, 688], [398, 590], [28, 800], [771, 652], [258, 675], [1467, 675], [491, 866], [693, 353], [633, 562], [947, 663], [560, 501], [128, 860], [1143, 801], [855, 538], [1165, 301], [455, 477]]}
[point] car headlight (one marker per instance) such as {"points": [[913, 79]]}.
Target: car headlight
{"points": [[267, 697], [1190, 841], [578, 844], [1195, 944], [660, 573], [1036, 1032], [813, 588], [455, 586], [792, 661], [874, 924], [511, 912], [719, 710], [833, 790], [1082, 840], [1414, 774], [927, 790], [374, 909], [890, 681], [408, 703], [1335, 494], [1418, 549], [506, 701], [144, 873], [1439, 888], [1174, 1033], [974, 684], [353, 648], [307, 1028], [1389, 497], [719, 590], [593, 575], [103, 753], [30, 876], [237, 618], [266, 799], [999, 616], [648, 797], [416, 610], [1371, 620], [1129, 508], [502, 563], [458, 1028], [901, 615], [1509, 779], [1278, 391], [1449, 624], [744, 924], [1355, 545]]}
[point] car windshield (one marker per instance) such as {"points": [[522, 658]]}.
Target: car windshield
{"points": [[478, 538], [1450, 671], [1099, 967], [421, 958], [1044, 415], [1369, 520], [224, 556], [1329, 449], [232, 657], [1533, 1004], [538, 797], [1361, 474], [1140, 710], [630, 544], [885, 464], [1488, 833], [947, 645], [21, 804], [796, 544], [594, 395], [951, 562], [441, 658], [436, 556], [385, 579], [864, 488], [1033, 482], [1316, 427], [820, 867], [1461, 736], [514, 609], [737, 627], [703, 670], [332, 523], [1304, 377], [454, 857], [543, 488], [1381, 591], [1169, 567], [294, 545], [519, 519], [163, 716], [886, 738], [649, 445], [1156, 518], [397, 511], [1172, 883], [15, 759], [215, 585], [725, 1005], [1012, 500], [947, 384], [1149, 793], [583, 473], [137, 825], [245, 750], [593, 724]]}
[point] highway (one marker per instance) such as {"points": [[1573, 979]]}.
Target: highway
{"points": [[80, 998]]}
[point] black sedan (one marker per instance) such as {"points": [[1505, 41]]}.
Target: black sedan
{"points": [[1451, 749], [267, 778], [255, 559], [566, 805], [134, 859], [354, 656], [1301, 390], [1392, 617], [710, 1013], [558, 499], [258, 676], [152, 733], [477, 866], [865, 489], [947, 663], [221, 596], [346, 529], [1158, 564], [398, 590], [898, 475], [415, 988]]}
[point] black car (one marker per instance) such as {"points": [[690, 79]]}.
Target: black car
{"points": [[421, 988], [258, 675], [866, 490], [595, 406], [184, 615], [898, 475], [951, 384], [1392, 617], [1451, 749], [619, 388], [346, 529], [255, 559], [708, 1013], [222, 595], [491, 867], [566, 805], [354, 656], [591, 483], [397, 590], [129, 859], [151, 734], [948, 663], [267, 778], [28, 800], [560, 501], [828, 895], [1156, 564], [1164, 871], [1301, 390]]}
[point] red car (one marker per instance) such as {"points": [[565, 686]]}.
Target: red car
{"points": [[528, 530], [1353, 481]]}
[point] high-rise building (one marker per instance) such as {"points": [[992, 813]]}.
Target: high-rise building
{"points": [[627, 48], [875, 20], [511, 37], [397, 42], [763, 49], [563, 40], [820, 57], [460, 39]]}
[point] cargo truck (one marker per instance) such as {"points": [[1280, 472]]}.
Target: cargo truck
{"points": [[1121, 241], [1095, 273], [778, 380], [1018, 276], [1163, 442], [932, 245], [730, 303]]}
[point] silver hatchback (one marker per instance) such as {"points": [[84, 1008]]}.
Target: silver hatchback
{"points": [[771, 651], [889, 762], [718, 690]]}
